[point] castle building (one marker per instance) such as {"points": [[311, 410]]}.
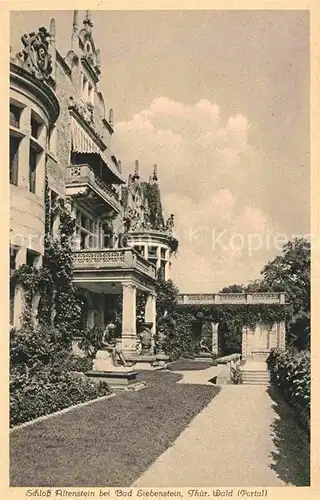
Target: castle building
{"points": [[146, 230], [34, 110], [62, 147]]}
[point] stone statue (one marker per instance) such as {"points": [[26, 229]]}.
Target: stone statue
{"points": [[170, 223], [203, 347], [145, 337], [161, 337], [109, 344]]}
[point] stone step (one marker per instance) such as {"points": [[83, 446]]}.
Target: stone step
{"points": [[255, 382], [256, 378]]}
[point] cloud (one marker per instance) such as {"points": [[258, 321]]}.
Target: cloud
{"points": [[207, 171]]}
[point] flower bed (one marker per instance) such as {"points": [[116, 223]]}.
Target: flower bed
{"points": [[290, 373]]}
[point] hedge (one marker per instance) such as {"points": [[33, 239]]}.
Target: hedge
{"points": [[290, 373]]}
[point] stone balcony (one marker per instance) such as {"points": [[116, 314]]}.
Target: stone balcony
{"points": [[114, 260], [232, 298], [81, 180]]}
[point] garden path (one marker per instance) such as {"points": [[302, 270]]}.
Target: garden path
{"points": [[244, 437]]}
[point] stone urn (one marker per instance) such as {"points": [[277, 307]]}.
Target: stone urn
{"points": [[161, 337], [146, 338]]}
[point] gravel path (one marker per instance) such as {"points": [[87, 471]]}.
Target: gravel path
{"points": [[244, 437]]}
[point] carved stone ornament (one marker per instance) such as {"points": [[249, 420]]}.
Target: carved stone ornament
{"points": [[35, 55]]}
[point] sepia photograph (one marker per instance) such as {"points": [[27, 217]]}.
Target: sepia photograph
{"points": [[159, 251]]}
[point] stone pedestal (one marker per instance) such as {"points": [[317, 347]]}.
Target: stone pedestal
{"points": [[150, 317], [118, 377], [103, 362], [129, 335]]}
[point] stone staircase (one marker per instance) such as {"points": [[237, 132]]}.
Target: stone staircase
{"points": [[255, 373]]}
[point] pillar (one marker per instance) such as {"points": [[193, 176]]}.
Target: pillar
{"points": [[215, 340], [282, 335], [244, 343], [146, 250], [129, 336], [158, 257], [150, 316]]}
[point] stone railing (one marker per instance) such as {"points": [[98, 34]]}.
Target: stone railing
{"points": [[232, 298], [124, 258], [82, 175]]}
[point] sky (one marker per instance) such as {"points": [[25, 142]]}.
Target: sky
{"points": [[219, 100]]}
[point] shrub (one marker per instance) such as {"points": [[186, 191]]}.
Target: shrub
{"points": [[47, 394], [180, 338], [91, 341], [290, 372], [236, 375], [41, 378]]}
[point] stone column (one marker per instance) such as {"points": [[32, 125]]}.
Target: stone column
{"points": [[23, 173], [129, 335], [281, 335], [150, 316], [167, 270], [145, 251], [158, 257], [215, 339], [244, 343]]}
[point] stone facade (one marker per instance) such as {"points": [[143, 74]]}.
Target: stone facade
{"points": [[61, 95], [34, 109]]}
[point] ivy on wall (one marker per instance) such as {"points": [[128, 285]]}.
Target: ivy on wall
{"points": [[58, 304], [232, 318]]}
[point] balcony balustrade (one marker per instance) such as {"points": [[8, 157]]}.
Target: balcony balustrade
{"points": [[232, 298], [111, 259], [80, 177]]}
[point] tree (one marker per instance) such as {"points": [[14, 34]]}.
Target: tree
{"points": [[167, 296], [290, 273], [233, 289]]}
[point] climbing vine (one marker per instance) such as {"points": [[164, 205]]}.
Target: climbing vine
{"points": [[58, 304]]}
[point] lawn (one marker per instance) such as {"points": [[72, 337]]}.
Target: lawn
{"points": [[110, 442], [189, 364]]}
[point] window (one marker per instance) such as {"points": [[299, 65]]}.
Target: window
{"points": [[163, 253], [14, 159], [36, 127], [33, 161], [153, 252], [15, 114], [32, 258], [87, 234]]}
